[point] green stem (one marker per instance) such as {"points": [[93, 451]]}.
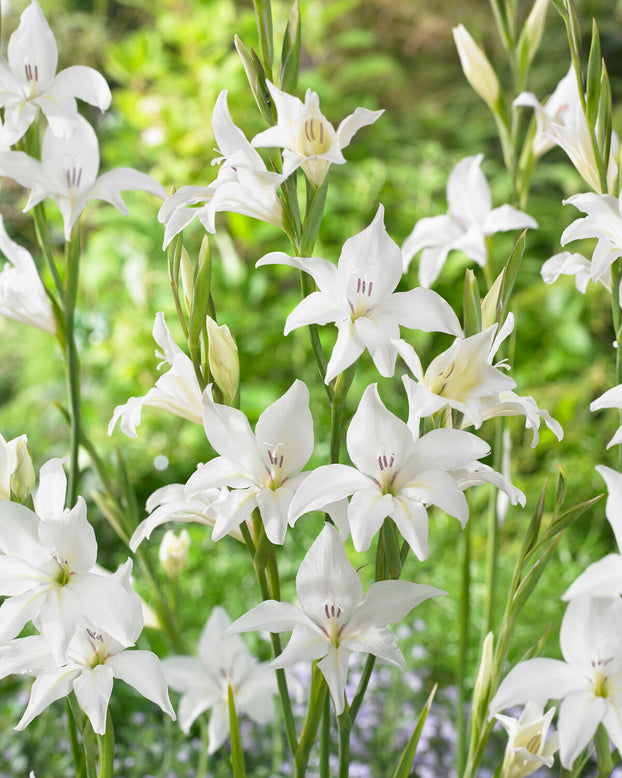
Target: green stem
{"points": [[362, 687], [72, 255], [463, 642], [325, 740], [78, 756], [345, 726], [105, 745], [343, 383], [237, 755], [317, 700], [492, 540]]}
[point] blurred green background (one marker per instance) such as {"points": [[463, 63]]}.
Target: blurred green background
{"points": [[166, 63]]}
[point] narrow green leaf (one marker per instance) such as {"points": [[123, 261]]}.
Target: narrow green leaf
{"points": [[201, 296], [560, 8], [405, 763], [537, 647], [528, 584], [290, 53], [509, 276], [560, 492], [316, 200], [603, 119], [533, 530], [566, 519], [593, 85]]}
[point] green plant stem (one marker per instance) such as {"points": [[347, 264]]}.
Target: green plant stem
{"points": [[105, 745], [343, 383], [237, 755], [345, 726], [463, 642], [318, 693], [492, 539], [362, 687], [325, 740], [78, 756], [72, 363]]}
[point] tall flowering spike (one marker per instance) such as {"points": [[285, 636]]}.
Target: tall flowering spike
{"points": [[307, 138], [334, 618], [92, 661], [244, 185], [68, 171], [22, 294], [263, 468], [29, 81], [465, 227], [358, 296], [603, 222], [177, 391], [561, 122], [395, 476], [604, 577], [588, 681], [204, 681]]}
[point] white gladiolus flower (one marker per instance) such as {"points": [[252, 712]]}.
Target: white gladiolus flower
{"points": [[465, 227], [22, 294], [307, 138], [476, 67], [359, 297], [29, 81], [334, 618], [529, 744], [204, 681], [588, 681], [177, 391]]}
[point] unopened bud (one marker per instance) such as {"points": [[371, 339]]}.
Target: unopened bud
{"points": [[174, 552], [477, 69], [23, 475], [187, 278], [484, 675], [534, 26], [491, 301], [224, 364]]}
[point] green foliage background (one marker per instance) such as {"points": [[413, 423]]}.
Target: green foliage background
{"points": [[166, 62]]}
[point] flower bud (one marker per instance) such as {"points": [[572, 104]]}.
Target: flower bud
{"points": [[224, 364], [23, 474], [477, 69], [187, 278], [174, 552], [484, 675], [534, 26]]}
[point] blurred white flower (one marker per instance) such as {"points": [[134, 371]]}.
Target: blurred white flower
{"points": [[204, 681], [173, 553], [17, 474], [22, 294], [358, 296], [604, 577], [334, 618], [177, 391], [561, 121], [68, 171], [604, 222], [307, 138], [465, 227], [29, 81]]}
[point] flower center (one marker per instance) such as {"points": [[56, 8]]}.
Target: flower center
{"points": [[316, 137], [73, 177], [440, 381], [533, 744], [277, 460], [387, 472], [359, 303], [600, 684], [98, 644], [31, 72], [333, 629], [64, 571]]}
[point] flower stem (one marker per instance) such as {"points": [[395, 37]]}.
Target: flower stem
{"points": [[105, 745], [342, 386], [463, 642], [72, 255], [237, 755], [345, 726], [325, 740]]}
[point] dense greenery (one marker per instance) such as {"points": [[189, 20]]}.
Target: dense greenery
{"points": [[166, 63]]}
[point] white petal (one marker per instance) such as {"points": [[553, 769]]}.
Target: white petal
{"points": [[537, 679], [143, 671], [49, 686], [93, 688]]}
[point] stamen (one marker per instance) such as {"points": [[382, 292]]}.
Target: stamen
{"points": [[533, 744], [95, 635]]}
